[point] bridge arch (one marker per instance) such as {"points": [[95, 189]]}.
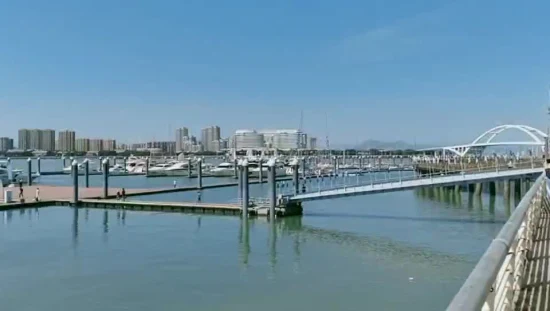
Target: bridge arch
{"points": [[538, 137]]}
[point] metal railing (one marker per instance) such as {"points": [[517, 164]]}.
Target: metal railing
{"points": [[497, 279], [318, 184]]}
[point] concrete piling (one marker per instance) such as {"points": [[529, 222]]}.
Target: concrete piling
{"points": [[517, 188], [240, 180], [105, 164], [147, 166], [295, 179], [261, 171], [506, 189], [29, 171], [272, 180], [236, 168], [124, 163], [245, 200], [100, 164], [74, 170], [199, 173], [189, 168], [492, 188], [38, 167], [478, 188], [64, 161], [87, 173]]}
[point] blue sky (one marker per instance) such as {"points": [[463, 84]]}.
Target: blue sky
{"points": [[434, 71]]}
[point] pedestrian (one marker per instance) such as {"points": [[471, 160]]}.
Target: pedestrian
{"points": [[123, 194], [175, 183], [118, 195], [37, 195], [21, 190]]}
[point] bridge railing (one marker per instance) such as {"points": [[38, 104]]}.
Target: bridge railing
{"points": [[497, 279], [374, 178]]}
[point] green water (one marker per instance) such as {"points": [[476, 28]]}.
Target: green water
{"points": [[392, 251]]}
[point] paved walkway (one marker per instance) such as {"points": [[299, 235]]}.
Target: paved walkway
{"points": [[535, 294]]}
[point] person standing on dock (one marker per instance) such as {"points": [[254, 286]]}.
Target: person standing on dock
{"points": [[175, 183], [123, 194], [37, 195], [20, 189]]}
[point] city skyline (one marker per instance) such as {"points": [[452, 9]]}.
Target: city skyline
{"points": [[379, 71]]}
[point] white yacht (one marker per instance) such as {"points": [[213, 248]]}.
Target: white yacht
{"points": [[225, 169], [172, 168], [8, 175], [160, 167], [135, 165], [117, 168]]}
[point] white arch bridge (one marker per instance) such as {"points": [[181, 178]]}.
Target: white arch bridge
{"points": [[536, 138]]}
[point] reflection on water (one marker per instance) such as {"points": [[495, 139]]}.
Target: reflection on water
{"points": [[206, 262]]}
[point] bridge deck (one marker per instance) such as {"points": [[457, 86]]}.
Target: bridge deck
{"points": [[535, 294], [448, 180]]}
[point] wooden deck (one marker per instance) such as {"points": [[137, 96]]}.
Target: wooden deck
{"points": [[49, 193], [535, 294], [182, 207]]}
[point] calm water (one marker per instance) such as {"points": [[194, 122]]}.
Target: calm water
{"points": [[355, 253]]}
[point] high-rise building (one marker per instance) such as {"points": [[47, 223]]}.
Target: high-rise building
{"points": [[35, 139], [96, 145], [6, 143], [208, 136], [82, 144], [66, 141], [24, 139], [47, 140], [109, 145], [312, 143], [182, 134]]}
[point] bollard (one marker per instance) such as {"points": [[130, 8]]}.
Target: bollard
{"points": [[244, 165], [105, 178], [147, 166], [29, 171], [199, 173], [272, 180], [74, 170], [38, 167], [86, 173]]}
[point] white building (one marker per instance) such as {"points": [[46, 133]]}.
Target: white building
{"points": [[286, 139], [248, 139]]}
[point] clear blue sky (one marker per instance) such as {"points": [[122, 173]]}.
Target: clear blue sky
{"points": [[434, 71]]}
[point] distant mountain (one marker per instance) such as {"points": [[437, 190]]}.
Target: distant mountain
{"points": [[387, 145]]}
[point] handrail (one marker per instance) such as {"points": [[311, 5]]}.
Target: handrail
{"points": [[468, 171], [474, 292]]}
